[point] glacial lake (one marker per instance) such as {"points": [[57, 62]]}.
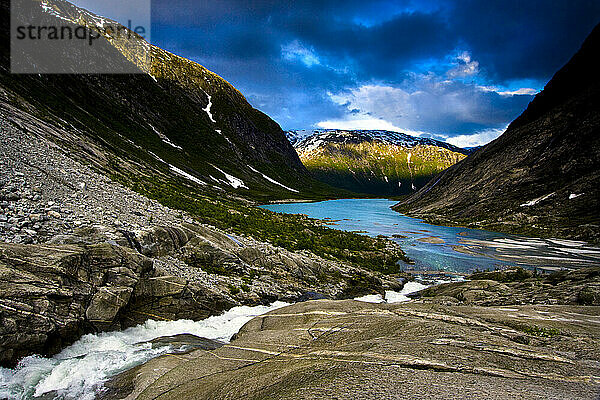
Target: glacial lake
{"points": [[441, 248]]}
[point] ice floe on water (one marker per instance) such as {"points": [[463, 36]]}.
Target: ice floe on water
{"points": [[79, 371]]}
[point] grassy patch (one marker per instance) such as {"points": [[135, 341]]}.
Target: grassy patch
{"points": [[292, 232], [233, 289], [538, 331]]}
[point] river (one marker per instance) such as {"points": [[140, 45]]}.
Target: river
{"points": [[80, 370], [442, 248]]}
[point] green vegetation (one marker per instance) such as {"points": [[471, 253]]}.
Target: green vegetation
{"points": [[292, 232], [198, 261], [376, 167], [538, 331], [114, 123], [233, 289]]}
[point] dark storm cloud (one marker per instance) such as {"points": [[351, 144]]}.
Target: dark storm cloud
{"points": [[516, 39], [292, 58]]}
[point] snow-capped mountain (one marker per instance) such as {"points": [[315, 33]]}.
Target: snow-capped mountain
{"points": [[373, 161], [297, 136], [306, 140]]}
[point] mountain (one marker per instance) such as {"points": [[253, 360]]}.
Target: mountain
{"points": [[176, 119], [128, 197], [375, 162], [541, 177], [296, 136]]}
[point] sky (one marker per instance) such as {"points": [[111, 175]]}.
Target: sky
{"points": [[457, 71]]}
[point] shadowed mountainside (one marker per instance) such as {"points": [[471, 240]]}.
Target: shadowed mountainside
{"points": [[541, 177], [176, 119]]}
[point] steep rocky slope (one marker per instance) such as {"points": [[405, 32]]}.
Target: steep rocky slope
{"points": [[542, 175], [80, 253], [175, 133], [375, 162], [175, 119]]}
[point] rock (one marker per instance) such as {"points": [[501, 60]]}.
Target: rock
{"points": [[53, 214], [186, 342], [14, 196], [589, 295], [580, 286], [306, 296], [352, 350], [106, 303], [51, 295]]}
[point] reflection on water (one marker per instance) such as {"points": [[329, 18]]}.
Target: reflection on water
{"points": [[440, 247]]}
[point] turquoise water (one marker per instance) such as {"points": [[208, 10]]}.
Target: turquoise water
{"points": [[457, 249]]}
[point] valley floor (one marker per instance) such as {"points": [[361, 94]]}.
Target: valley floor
{"points": [[80, 253]]}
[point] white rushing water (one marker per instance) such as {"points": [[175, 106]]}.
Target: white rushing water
{"points": [[394, 297], [79, 371]]}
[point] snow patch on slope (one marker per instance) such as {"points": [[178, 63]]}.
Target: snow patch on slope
{"points": [[273, 180], [535, 201], [164, 138], [236, 183], [186, 175], [208, 107]]}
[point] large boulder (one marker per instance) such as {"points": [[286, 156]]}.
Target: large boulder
{"points": [[52, 294]]}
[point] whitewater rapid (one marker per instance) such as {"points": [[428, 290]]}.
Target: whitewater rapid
{"points": [[80, 370], [394, 297]]}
